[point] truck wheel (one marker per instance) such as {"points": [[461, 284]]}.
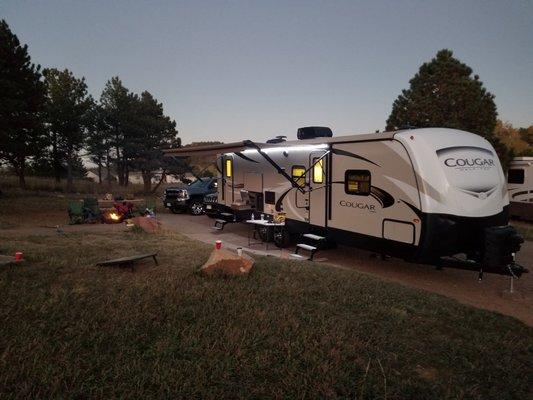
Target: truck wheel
{"points": [[176, 210], [196, 208]]}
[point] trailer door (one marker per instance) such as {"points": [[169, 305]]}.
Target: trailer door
{"points": [[228, 180], [317, 189]]}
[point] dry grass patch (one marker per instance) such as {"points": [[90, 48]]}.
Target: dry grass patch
{"points": [[28, 209], [80, 186]]}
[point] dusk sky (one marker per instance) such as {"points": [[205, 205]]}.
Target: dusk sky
{"points": [[231, 70]]}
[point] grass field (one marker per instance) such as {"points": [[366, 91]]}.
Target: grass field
{"points": [[288, 330]]}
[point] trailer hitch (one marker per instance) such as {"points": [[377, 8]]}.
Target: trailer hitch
{"points": [[516, 270], [513, 270]]}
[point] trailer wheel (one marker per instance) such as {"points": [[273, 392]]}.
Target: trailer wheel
{"points": [[282, 238], [265, 233]]}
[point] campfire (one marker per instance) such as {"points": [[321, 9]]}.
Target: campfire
{"points": [[112, 217]]}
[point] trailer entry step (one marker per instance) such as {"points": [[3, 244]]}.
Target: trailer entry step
{"points": [[219, 224], [306, 247], [303, 246], [313, 236]]}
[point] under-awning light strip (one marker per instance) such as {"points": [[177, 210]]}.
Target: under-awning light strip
{"points": [[288, 148]]}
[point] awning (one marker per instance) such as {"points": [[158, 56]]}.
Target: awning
{"points": [[213, 149], [236, 147], [208, 150]]}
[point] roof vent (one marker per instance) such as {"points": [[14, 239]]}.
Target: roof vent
{"points": [[311, 132], [277, 139]]}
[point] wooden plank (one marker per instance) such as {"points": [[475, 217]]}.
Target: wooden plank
{"points": [[7, 260], [128, 260]]}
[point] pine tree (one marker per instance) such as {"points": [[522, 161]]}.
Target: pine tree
{"points": [[21, 104], [445, 94], [119, 107], [67, 115], [154, 131], [136, 129], [98, 144]]}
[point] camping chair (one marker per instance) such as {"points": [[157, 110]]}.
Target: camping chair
{"points": [[148, 207], [245, 197], [91, 210], [243, 203], [75, 213]]}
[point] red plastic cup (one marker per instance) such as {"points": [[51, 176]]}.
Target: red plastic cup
{"points": [[18, 256], [218, 244]]}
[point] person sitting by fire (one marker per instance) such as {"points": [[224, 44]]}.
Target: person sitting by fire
{"points": [[124, 209]]}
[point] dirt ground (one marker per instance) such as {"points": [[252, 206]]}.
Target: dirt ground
{"points": [[463, 286]]}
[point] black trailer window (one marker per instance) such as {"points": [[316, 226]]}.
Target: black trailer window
{"points": [[298, 172], [357, 181], [515, 176], [270, 197]]}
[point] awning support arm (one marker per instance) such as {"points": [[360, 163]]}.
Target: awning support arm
{"points": [[188, 168], [281, 171]]}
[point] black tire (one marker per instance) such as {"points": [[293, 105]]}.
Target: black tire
{"points": [[211, 215], [282, 238], [196, 207], [176, 210]]}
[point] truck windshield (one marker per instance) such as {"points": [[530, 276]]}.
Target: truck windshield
{"points": [[198, 183]]}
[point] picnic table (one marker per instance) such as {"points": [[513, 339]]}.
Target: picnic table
{"points": [[270, 229], [127, 261]]}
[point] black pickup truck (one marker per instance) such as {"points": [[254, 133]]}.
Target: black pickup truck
{"points": [[189, 197]]}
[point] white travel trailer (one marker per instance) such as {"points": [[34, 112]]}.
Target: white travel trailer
{"points": [[520, 185], [420, 194]]}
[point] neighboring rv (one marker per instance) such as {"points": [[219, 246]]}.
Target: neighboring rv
{"points": [[520, 185], [420, 194]]}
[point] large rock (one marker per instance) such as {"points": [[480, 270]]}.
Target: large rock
{"points": [[226, 263]]}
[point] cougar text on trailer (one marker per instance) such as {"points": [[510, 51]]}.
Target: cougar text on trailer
{"points": [[419, 194]]}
